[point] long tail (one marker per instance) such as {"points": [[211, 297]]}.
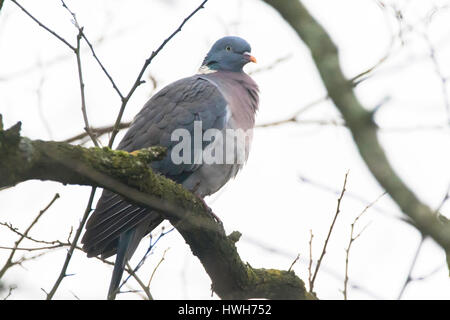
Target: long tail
{"points": [[123, 250]]}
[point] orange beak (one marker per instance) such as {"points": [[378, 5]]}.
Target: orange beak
{"points": [[250, 57]]}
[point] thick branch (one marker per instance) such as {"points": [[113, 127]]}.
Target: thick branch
{"points": [[128, 174], [360, 121]]}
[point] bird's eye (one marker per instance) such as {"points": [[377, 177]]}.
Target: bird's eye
{"points": [[228, 48]]}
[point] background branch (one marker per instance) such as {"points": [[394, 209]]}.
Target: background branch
{"points": [[360, 121]]}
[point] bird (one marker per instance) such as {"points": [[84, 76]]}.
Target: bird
{"points": [[221, 98]]}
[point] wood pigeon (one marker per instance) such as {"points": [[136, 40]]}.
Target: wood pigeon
{"points": [[221, 99]]}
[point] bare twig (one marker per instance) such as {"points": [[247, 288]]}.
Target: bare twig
{"points": [[91, 47], [13, 287], [32, 248], [310, 261], [25, 236], [409, 278], [101, 66], [147, 62], [63, 274], [352, 239], [98, 131], [57, 244], [324, 249], [45, 27], [83, 98], [9, 262], [157, 266], [139, 281], [294, 262], [443, 79], [142, 261], [77, 53]]}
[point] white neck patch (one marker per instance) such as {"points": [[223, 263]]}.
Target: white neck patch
{"points": [[206, 70]]}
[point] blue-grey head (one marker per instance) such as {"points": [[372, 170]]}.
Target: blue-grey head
{"points": [[228, 54]]}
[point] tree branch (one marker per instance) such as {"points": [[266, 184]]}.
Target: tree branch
{"points": [[360, 121], [128, 175]]}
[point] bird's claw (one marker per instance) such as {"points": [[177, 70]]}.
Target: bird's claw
{"points": [[211, 213]]}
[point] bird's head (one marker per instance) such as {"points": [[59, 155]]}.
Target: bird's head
{"points": [[228, 54]]}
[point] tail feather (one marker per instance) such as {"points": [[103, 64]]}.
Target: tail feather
{"points": [[125, 241], [126, 245]]}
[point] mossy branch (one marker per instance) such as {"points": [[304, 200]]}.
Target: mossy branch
{"points": [[360, 121], [128, 174]]}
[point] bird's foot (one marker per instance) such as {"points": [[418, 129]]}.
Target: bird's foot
{"points": [[211, 213]]}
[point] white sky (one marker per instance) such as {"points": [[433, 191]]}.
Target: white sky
{"points": [[267, 202]]}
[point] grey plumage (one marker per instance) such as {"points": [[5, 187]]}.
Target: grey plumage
{"points": [[224, 99]]}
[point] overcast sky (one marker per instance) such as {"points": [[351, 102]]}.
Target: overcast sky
{"points": [[289, 184]]}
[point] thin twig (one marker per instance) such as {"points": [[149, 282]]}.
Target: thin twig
{"points": [[98, 131], [101, 66], [13, 287], [409, 278], [45, 27], [324, 249], [157, 266], [83, 35], [294, 262], [83, 97], [147, 62], [9, 263], [352, 239], [139, 281], [25, 236], [324, 268], [310, 261], [56, 244], [437, 67], [63, 274], [142, 261]]}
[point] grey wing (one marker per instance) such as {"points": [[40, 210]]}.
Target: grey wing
{"points": [[176, 106]]}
